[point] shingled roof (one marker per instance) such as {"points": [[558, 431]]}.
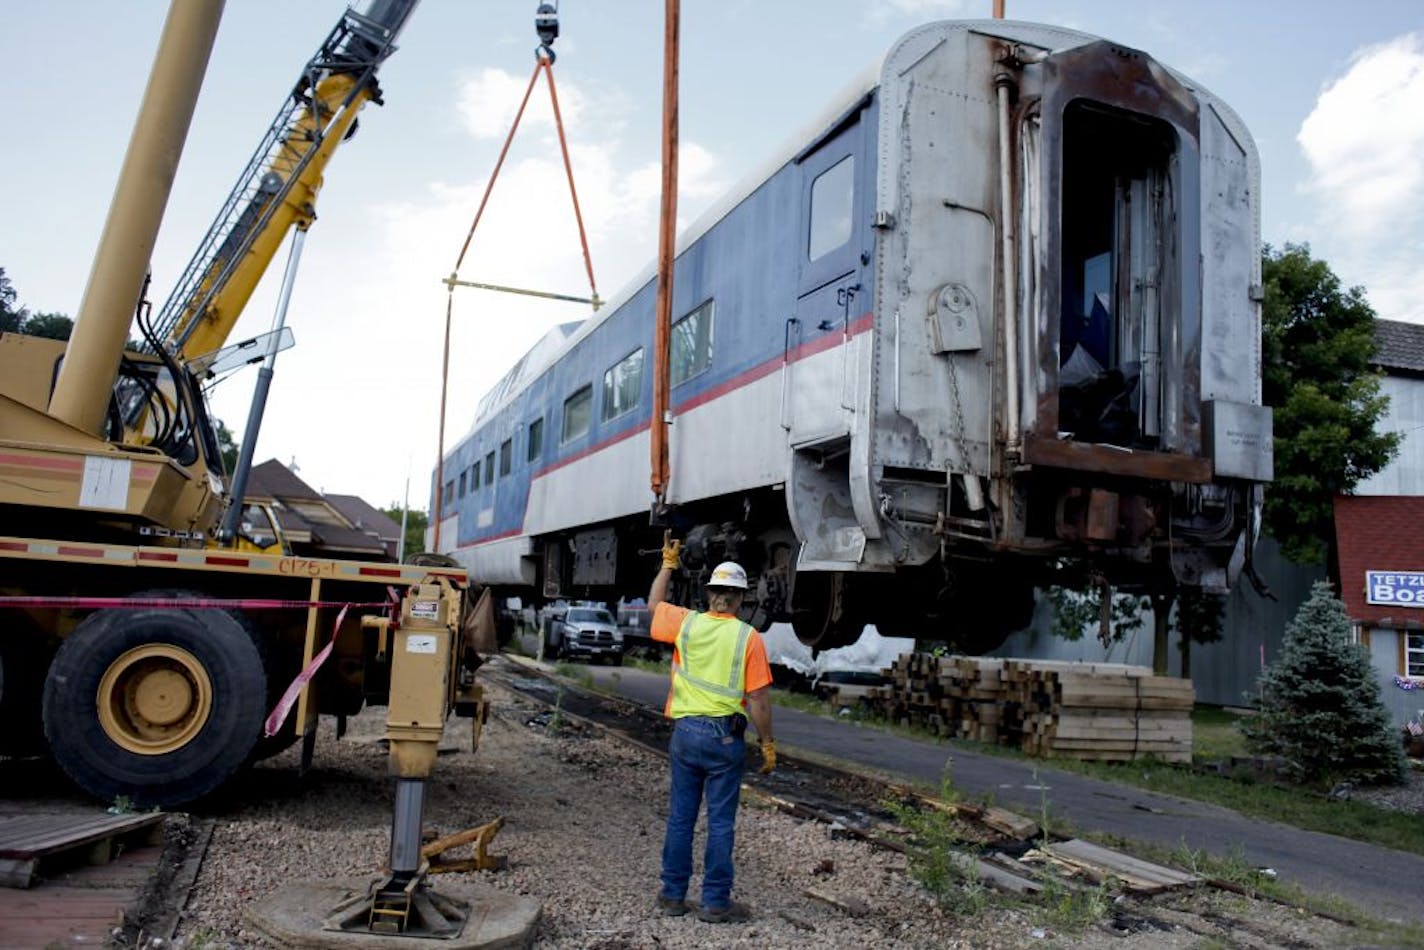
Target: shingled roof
{"points": [[1378, 533], [312, 522], [1399, 347]]}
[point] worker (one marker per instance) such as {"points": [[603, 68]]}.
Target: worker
{"points": [[719, 669]]}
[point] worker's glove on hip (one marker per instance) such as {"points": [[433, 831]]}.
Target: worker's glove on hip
{"points": [[768, 756], [672, 555]]}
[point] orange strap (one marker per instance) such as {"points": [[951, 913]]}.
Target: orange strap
{"points": [[545, 65]]}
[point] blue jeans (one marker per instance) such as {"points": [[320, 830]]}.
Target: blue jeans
{"points": [[707, 763]]}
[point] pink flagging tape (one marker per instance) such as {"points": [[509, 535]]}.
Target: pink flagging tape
{"points": [[179, 603], [284, 705]]}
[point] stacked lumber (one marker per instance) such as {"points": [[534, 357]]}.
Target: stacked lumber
{"points": [[1106, 712], [1055, 709], [976, 684]]}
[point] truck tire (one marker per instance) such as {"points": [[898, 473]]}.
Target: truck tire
{"points": [[160, 706], [279, 670]]}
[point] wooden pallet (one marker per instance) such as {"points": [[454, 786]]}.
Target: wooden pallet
{"points": [[30, 844]]}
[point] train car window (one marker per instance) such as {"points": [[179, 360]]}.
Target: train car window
{"points": [[622, 384], [462, 484], [578, 410], [536, 439], [691, 350], [506, 456], [489, 467], [832, 196]]}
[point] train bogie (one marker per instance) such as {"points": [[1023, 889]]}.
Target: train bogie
{"points": [[997, 312]]}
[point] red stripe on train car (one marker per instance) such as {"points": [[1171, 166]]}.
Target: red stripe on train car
{"points": [[858, 326], [585, 453]]}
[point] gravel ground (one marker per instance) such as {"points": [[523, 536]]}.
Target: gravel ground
{"points": [[1408, 797], [584, 817]]}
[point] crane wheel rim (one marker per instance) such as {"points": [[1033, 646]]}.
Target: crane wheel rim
{"points": [[154, 698]]}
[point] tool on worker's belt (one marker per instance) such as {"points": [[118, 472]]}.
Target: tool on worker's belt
{"points": [[478, 837]]}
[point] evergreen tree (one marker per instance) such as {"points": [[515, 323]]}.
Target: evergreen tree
{"points": [[1320, 704]]}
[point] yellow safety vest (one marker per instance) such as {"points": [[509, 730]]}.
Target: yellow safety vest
{"points": [[710, 676]]}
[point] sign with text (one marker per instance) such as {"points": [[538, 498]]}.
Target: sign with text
{"points": [[1395, 588]]}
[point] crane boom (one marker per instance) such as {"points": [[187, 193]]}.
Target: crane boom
{"points": [[277, 189]]}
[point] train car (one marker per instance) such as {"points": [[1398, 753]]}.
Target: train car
{"points": [[994, 317]]}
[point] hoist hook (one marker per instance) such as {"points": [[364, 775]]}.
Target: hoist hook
{"points": [[546, 24]]}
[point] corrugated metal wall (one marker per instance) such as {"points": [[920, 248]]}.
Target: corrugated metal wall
{"points": [[1223, 672]]}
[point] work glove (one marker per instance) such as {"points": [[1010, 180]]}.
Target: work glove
{"points": [[672, 553], [768, 756]]}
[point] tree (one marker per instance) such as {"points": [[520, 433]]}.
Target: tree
{"points": [[51, 326], [1317, 343], [11, 315], [227, 447], [415, 525], [1079, 609], [1320, 706]]}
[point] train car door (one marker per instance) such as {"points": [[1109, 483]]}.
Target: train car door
{"points": [[819, 382]]}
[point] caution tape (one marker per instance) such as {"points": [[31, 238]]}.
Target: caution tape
{"points": [[180, 603], [279, 713]]}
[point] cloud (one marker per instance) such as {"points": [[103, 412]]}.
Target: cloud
{"points": [[488, 102], [884, 10], [1364, 143], [1364, 139]]}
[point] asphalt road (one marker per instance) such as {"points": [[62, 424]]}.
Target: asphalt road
{"points": [[1376, 879]]}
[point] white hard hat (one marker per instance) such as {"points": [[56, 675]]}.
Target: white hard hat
{"points": [[728, 574]]}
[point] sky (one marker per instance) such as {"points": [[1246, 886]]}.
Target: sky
{"points": [[1331, 91]]}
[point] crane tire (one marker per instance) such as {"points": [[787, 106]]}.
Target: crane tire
{"points": [[159, 706], [273, 664]]}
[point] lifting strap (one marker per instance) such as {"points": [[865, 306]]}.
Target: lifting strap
{"points": [[546, 24], [543, 63]]}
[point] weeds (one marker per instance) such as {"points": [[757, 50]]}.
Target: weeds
{"points": [[556, 722], [944, 861], [1065, 905]]}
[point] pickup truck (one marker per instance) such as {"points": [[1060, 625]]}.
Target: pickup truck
{"points": [[587, 632]]}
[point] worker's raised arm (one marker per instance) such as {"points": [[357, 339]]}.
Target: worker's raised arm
{"points": [[672, 556]]}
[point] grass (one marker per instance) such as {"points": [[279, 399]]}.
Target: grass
{"points": [[945, 862], [648, 666], [1257, 799], [1215, 736]]}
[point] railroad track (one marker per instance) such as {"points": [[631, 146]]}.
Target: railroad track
{"points": [[855, 804]]}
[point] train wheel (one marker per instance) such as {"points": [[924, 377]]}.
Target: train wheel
{"points": [[160, 706], [823, 611]]}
